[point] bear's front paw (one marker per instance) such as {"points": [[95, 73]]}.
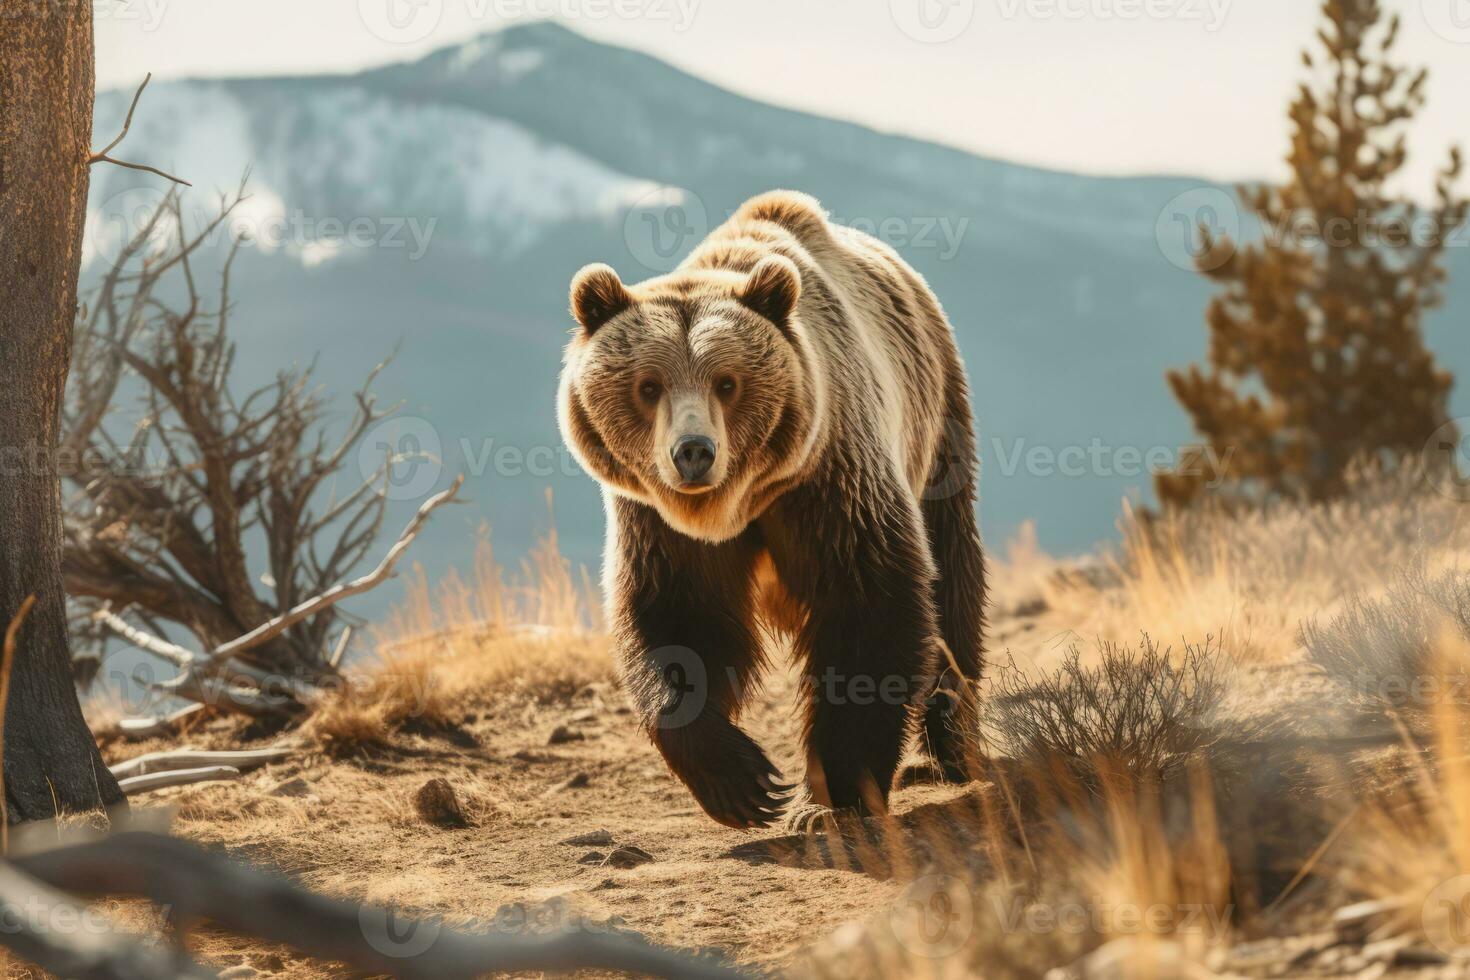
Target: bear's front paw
{"points": [[727, 772]]}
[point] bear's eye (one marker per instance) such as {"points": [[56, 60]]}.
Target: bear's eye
{"points": [[725, 386], [649, 391]]}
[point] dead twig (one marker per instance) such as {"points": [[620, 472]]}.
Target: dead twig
{"points": [[136, 729], [101, 156]]}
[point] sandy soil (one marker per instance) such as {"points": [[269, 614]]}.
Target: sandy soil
{"points": [[350, 827]]}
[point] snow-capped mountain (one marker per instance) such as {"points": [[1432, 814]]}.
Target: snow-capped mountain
{"points": [[444, 205]]}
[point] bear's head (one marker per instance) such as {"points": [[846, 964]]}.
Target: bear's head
{"points": [[692, 392]]}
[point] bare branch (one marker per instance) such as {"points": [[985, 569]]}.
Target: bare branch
{"points": [[336, 658], [101, 156], [184, 759], [171, 652], [134, 785], [195, 884], [89, 953], [278, 625], [137, 729]]}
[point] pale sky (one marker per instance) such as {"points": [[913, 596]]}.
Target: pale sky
{"points": [[1194, 87]]}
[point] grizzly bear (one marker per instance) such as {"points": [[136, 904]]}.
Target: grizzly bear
{"points": [[782, 429]]}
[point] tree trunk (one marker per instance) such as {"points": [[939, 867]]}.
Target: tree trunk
{"points": [[46, 88]]}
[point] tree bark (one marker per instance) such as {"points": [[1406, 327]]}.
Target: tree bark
{"points": [[46, 89]]}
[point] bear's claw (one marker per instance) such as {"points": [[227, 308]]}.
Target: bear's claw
{"points": [[727, 772]]}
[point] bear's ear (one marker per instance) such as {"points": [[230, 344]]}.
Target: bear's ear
{"points": [[773, 288], [598, 295]]}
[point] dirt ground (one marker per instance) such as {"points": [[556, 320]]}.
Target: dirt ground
{"points": [[530, 777]]}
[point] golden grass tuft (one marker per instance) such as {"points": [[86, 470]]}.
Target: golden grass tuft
{"points": [[1407, 840], [458, 645], [1251, 579]]}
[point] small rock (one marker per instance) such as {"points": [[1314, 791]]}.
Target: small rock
{"points": [[597, 838], [580, 781], [437, 804], [583, 715], [268, 962], [561, 734], [607, 884], [292, 787], [533, 755], [627, 856], [592, 857]]}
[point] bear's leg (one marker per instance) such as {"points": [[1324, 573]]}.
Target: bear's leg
{"points": [[685, 633], [948, 506], [868, 642]]}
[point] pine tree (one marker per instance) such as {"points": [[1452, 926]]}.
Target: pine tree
{"points": [[1316, 350]]}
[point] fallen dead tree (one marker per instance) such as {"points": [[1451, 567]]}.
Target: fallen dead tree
{"points": [[221, 677], [199, 886]]}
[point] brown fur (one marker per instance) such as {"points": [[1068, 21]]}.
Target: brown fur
{"points": [[837, 506]]}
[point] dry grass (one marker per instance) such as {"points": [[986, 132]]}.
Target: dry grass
{"points": [[1389, 652], [1407, 843], [1251, 579], [451, 648]]}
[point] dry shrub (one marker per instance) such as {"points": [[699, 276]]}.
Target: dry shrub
{"points": [[1250, 578], [1141, 710], [1097, 827], [1383, 650]]}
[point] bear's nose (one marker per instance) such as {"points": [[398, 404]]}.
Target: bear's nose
{"points": [[693, 456]]}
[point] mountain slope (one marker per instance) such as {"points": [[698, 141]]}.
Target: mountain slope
{"points": [[483, 175]]}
